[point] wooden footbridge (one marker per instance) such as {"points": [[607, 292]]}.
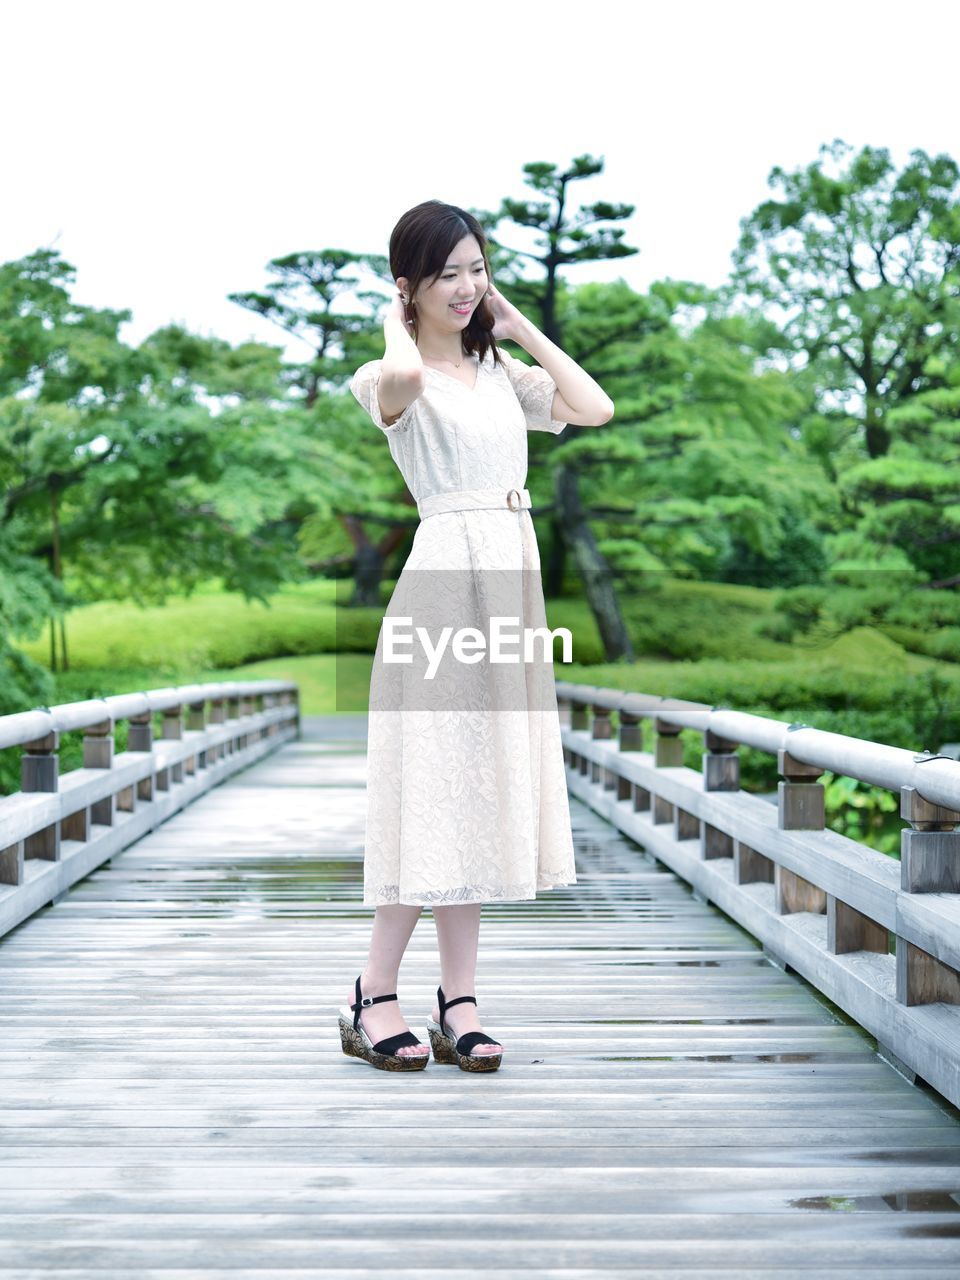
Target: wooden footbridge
{"points": [[688, 1089]]}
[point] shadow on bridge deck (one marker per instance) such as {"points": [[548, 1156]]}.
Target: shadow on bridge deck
{"points": [[174, 1099]]}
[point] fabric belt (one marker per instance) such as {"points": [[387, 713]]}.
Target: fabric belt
{"points": [[473, 500]]}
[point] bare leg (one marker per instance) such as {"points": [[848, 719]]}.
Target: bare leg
{"points": [[458, 933], [392, 928]]}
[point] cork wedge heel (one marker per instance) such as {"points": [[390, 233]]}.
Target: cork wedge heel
{"points": [[383, 1055], [449, 1049]]}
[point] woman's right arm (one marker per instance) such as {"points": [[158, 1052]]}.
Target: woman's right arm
{"points": [[401, 371]]}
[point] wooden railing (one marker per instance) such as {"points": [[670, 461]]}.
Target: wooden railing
{"points": [[58, 829], [880, 938]]}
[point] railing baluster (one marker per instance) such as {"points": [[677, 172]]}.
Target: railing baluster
{"points": [[11, 863], [850, 930], [140, 738], [929, 847], [800, 802], [40, 771], [667, 753], [721, 772], [929, 863], [196, 720], [171, 731], [750, 866], [98, 748]]}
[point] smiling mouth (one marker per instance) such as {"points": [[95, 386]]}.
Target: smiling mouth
{"points": [[461, 307]]}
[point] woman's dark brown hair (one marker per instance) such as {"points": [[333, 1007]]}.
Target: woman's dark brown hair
{"points": [[420, 245]]}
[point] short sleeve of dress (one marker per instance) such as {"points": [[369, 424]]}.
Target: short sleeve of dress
{"points": [[535, 390], [363, 384]]}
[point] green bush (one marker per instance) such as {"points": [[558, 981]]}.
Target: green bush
{"points": [[920, 621]]}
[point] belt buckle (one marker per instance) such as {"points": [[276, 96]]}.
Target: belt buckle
{"points": [[519, 499]]}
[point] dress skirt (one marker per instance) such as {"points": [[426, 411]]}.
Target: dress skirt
{"points": [[467, 795]]}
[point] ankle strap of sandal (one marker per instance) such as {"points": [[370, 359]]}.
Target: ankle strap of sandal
{"points": [[364, 1002], [444, 1005]]}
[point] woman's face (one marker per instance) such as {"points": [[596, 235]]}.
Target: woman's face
{"points": [[448, 303]]}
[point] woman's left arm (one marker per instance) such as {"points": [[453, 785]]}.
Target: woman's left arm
{"points": [[578, 399]]}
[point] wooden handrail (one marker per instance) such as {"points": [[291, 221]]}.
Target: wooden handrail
{"points": [[936, 777], [820, 902], [57, 829]]}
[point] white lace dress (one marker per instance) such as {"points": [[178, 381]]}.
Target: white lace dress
{"points": [[466, 796]]}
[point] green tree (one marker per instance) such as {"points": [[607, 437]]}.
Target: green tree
{"points": [[908, 502], [28, 597], [860, 263], [213, 467], [702, 467], [698, 468], [302, 301], [63, 371], [141, 472], [566, 237], [365, 514]]}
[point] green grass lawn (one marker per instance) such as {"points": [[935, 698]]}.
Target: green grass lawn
{"points": [[210, 629], [215, 629]]}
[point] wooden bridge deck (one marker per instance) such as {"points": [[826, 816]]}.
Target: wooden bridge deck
{"points": [[175, 1103]]}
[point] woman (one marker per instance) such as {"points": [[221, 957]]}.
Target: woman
{"points": [[467, 799]]}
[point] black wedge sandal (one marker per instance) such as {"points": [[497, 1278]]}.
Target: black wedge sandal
{"points": [[357, 1044], [447, 1048]]}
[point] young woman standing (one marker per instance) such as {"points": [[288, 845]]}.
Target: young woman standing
{"points": [[467, 799]]}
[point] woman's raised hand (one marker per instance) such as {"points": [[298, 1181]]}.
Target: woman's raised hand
{"points": [[506, 318], [399, 310]]}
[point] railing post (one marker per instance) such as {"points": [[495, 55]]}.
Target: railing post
{"points": [[233, 713], [171, 730], [218, 715], [140, 738], [601, 730], [721, 772], [721, 764], [850, 930], [930, 847], [246, 709], [196, 720], [602, 724], [631, 731], [667, 747], [630, 739], [11, 864], [98, 749], [40, 771], [580, 721], [667, 753], [563, 716], [800, 807], [929, 863], [750, 866]]}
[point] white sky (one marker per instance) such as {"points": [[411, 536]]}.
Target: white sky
{"points": [[168, 151]]}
